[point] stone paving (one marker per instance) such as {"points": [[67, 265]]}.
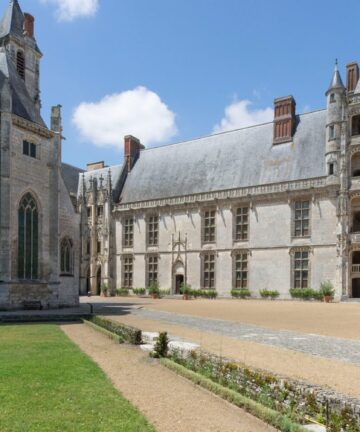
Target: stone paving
{"points": [[333, 348]]}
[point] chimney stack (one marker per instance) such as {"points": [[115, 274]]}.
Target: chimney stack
{"points": [[29, 24], [284, 119], [132, 148], [352, 76], [95, 166]]}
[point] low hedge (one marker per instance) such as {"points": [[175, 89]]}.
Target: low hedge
{"points": [[273, 294], [306, 293], [102, 330], [128, 333], [209, 293], [240, 293], [268, 415], [139, 291], [122, 292]]}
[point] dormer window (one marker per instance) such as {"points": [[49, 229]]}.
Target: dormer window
{"points": [[20, 64], [331, 132], [332, 98]]}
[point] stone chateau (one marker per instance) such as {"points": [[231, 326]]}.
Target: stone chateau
{"points": [[270, 206]]}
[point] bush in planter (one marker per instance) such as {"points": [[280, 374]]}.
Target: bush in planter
{"points": [[186, 290], [240, 293], [122, 291], [104, 289], [273, 294], [305, 293], [327, 290], [154, 289]]}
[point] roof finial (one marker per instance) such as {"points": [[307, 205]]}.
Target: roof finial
{"points": [[336, 62]]}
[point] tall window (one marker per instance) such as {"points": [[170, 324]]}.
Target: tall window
{"points": [[301, 269], [28, 239], [241, 223], [208, 270], [153, 231], [209, 230], [66, 256], [100, 211], [302, 219], [152, 269], [20, 64], [127, 272], [355, 125], [241, 270], [332, 132], [128, 237]]}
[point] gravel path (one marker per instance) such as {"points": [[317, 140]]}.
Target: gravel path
{"points": [[171, 403], [333, 348]]}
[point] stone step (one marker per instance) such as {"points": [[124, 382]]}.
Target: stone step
{"points": [[147, 347], [150, 337], [315, 428], [183, 348]]}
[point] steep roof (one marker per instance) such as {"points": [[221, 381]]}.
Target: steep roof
{"points": [[13, 20], [22, 104], [70, 174], [235, 159], [336, 81]]}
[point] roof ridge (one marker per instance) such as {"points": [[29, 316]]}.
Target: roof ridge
{"points": [[223, 133]]}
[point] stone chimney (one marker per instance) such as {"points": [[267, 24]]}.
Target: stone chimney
{"points": [[95, 166], [29, 24], [132, 149], [284, 119], [352, 76]]}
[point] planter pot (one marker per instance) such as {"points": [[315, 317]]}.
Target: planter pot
{"points": [[103, 294], [327, 299], [154, 296], [186, 296]]}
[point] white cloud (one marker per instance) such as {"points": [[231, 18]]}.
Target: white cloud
{"points": [[239, 114], [68, 10], [139, 112]]}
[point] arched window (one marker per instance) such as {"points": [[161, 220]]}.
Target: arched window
{"points": [[28, 239], [66, 256], [355, 125], [20, 64]]}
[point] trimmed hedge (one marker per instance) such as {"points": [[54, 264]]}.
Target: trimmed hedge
{"points": [[273, 294], [268, 415], [122, 292], [102, 330], [240, 293], [210, 293], [128, 333], [139, 291], [305, 293]]}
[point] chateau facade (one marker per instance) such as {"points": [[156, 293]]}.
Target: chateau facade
{"points": [[273, 206]]}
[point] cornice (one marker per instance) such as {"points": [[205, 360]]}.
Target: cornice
{"points": [[33, 127]]}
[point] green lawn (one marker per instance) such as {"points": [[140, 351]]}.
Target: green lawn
{"points": [[48, 384]]}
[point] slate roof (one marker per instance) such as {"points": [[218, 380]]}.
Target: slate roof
{"points": [[22, 104], [336, 81], [235, 159], [70, 174], [13, 20]]}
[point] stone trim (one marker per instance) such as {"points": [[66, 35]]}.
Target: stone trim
{"points": [[33, 127], [239, 193]]}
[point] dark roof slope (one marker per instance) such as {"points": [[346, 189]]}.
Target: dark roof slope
{"points": [[22, 104], [70, 174], [236, 159], [13, 20]]}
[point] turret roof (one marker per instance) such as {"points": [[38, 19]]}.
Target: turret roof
{"points": [[336, 81]]}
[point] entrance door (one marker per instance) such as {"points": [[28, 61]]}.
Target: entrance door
{"points": [[356, 288], [98, 282], [179, 280]]}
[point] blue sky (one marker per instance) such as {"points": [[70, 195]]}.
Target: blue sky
{"points": [[169, 69]]}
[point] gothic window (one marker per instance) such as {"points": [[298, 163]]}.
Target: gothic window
{"points": [[127, 271], [88, 247], [241, 270], [128, 232], [302, 218], [20, 64], [66, 256], [208, 271], [331, 132], [89, 212], [355, 125], [301, 269], [28, 239], [29, 149], [152, 270], [241, 224], [209, 226], [100, 211], [99, 247], [153, 231]]}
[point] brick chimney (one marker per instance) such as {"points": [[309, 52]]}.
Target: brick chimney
{"points": [[284, 119], [95, 166], [132, 148], [29, 24], [352, 76]]}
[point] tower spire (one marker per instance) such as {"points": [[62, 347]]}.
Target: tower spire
{"points": [[336, 81]]}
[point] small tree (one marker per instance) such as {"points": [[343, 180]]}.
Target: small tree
{"points": [[162, 346]]}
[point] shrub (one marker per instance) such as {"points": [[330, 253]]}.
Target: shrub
{"points": [[209, 293], [185, 289], [162, 346], [273, 294], [164, 292], [265, 293], [139, 291], [327, 289], [305, 293], [240, 293], [104, 288], [122, 292], [128, 333], [154, 289]]}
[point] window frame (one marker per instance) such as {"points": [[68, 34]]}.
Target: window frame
{"points": [[30, 149], [152, 268], [152, 230], [128, 232], [208, 230], [297, 256], [127, 271], [66, 247], [208, 259], [241, 253], [302, 220], [241, 224]]}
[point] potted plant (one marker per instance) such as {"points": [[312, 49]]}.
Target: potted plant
{"points": [[186, 291], [327, 291], [154, 290], [104, 290]]}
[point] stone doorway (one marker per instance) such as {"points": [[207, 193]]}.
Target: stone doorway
{"points": [[98, 281], [356, 288], [179, 280]]}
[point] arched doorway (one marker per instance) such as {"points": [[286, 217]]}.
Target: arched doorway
{"points": [[178, 276], [98, 281]]}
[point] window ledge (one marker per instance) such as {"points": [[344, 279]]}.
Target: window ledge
{"points": [[308, 237]]}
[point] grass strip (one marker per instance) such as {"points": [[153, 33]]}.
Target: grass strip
{"points": [[268, 415], [102, 330]]}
